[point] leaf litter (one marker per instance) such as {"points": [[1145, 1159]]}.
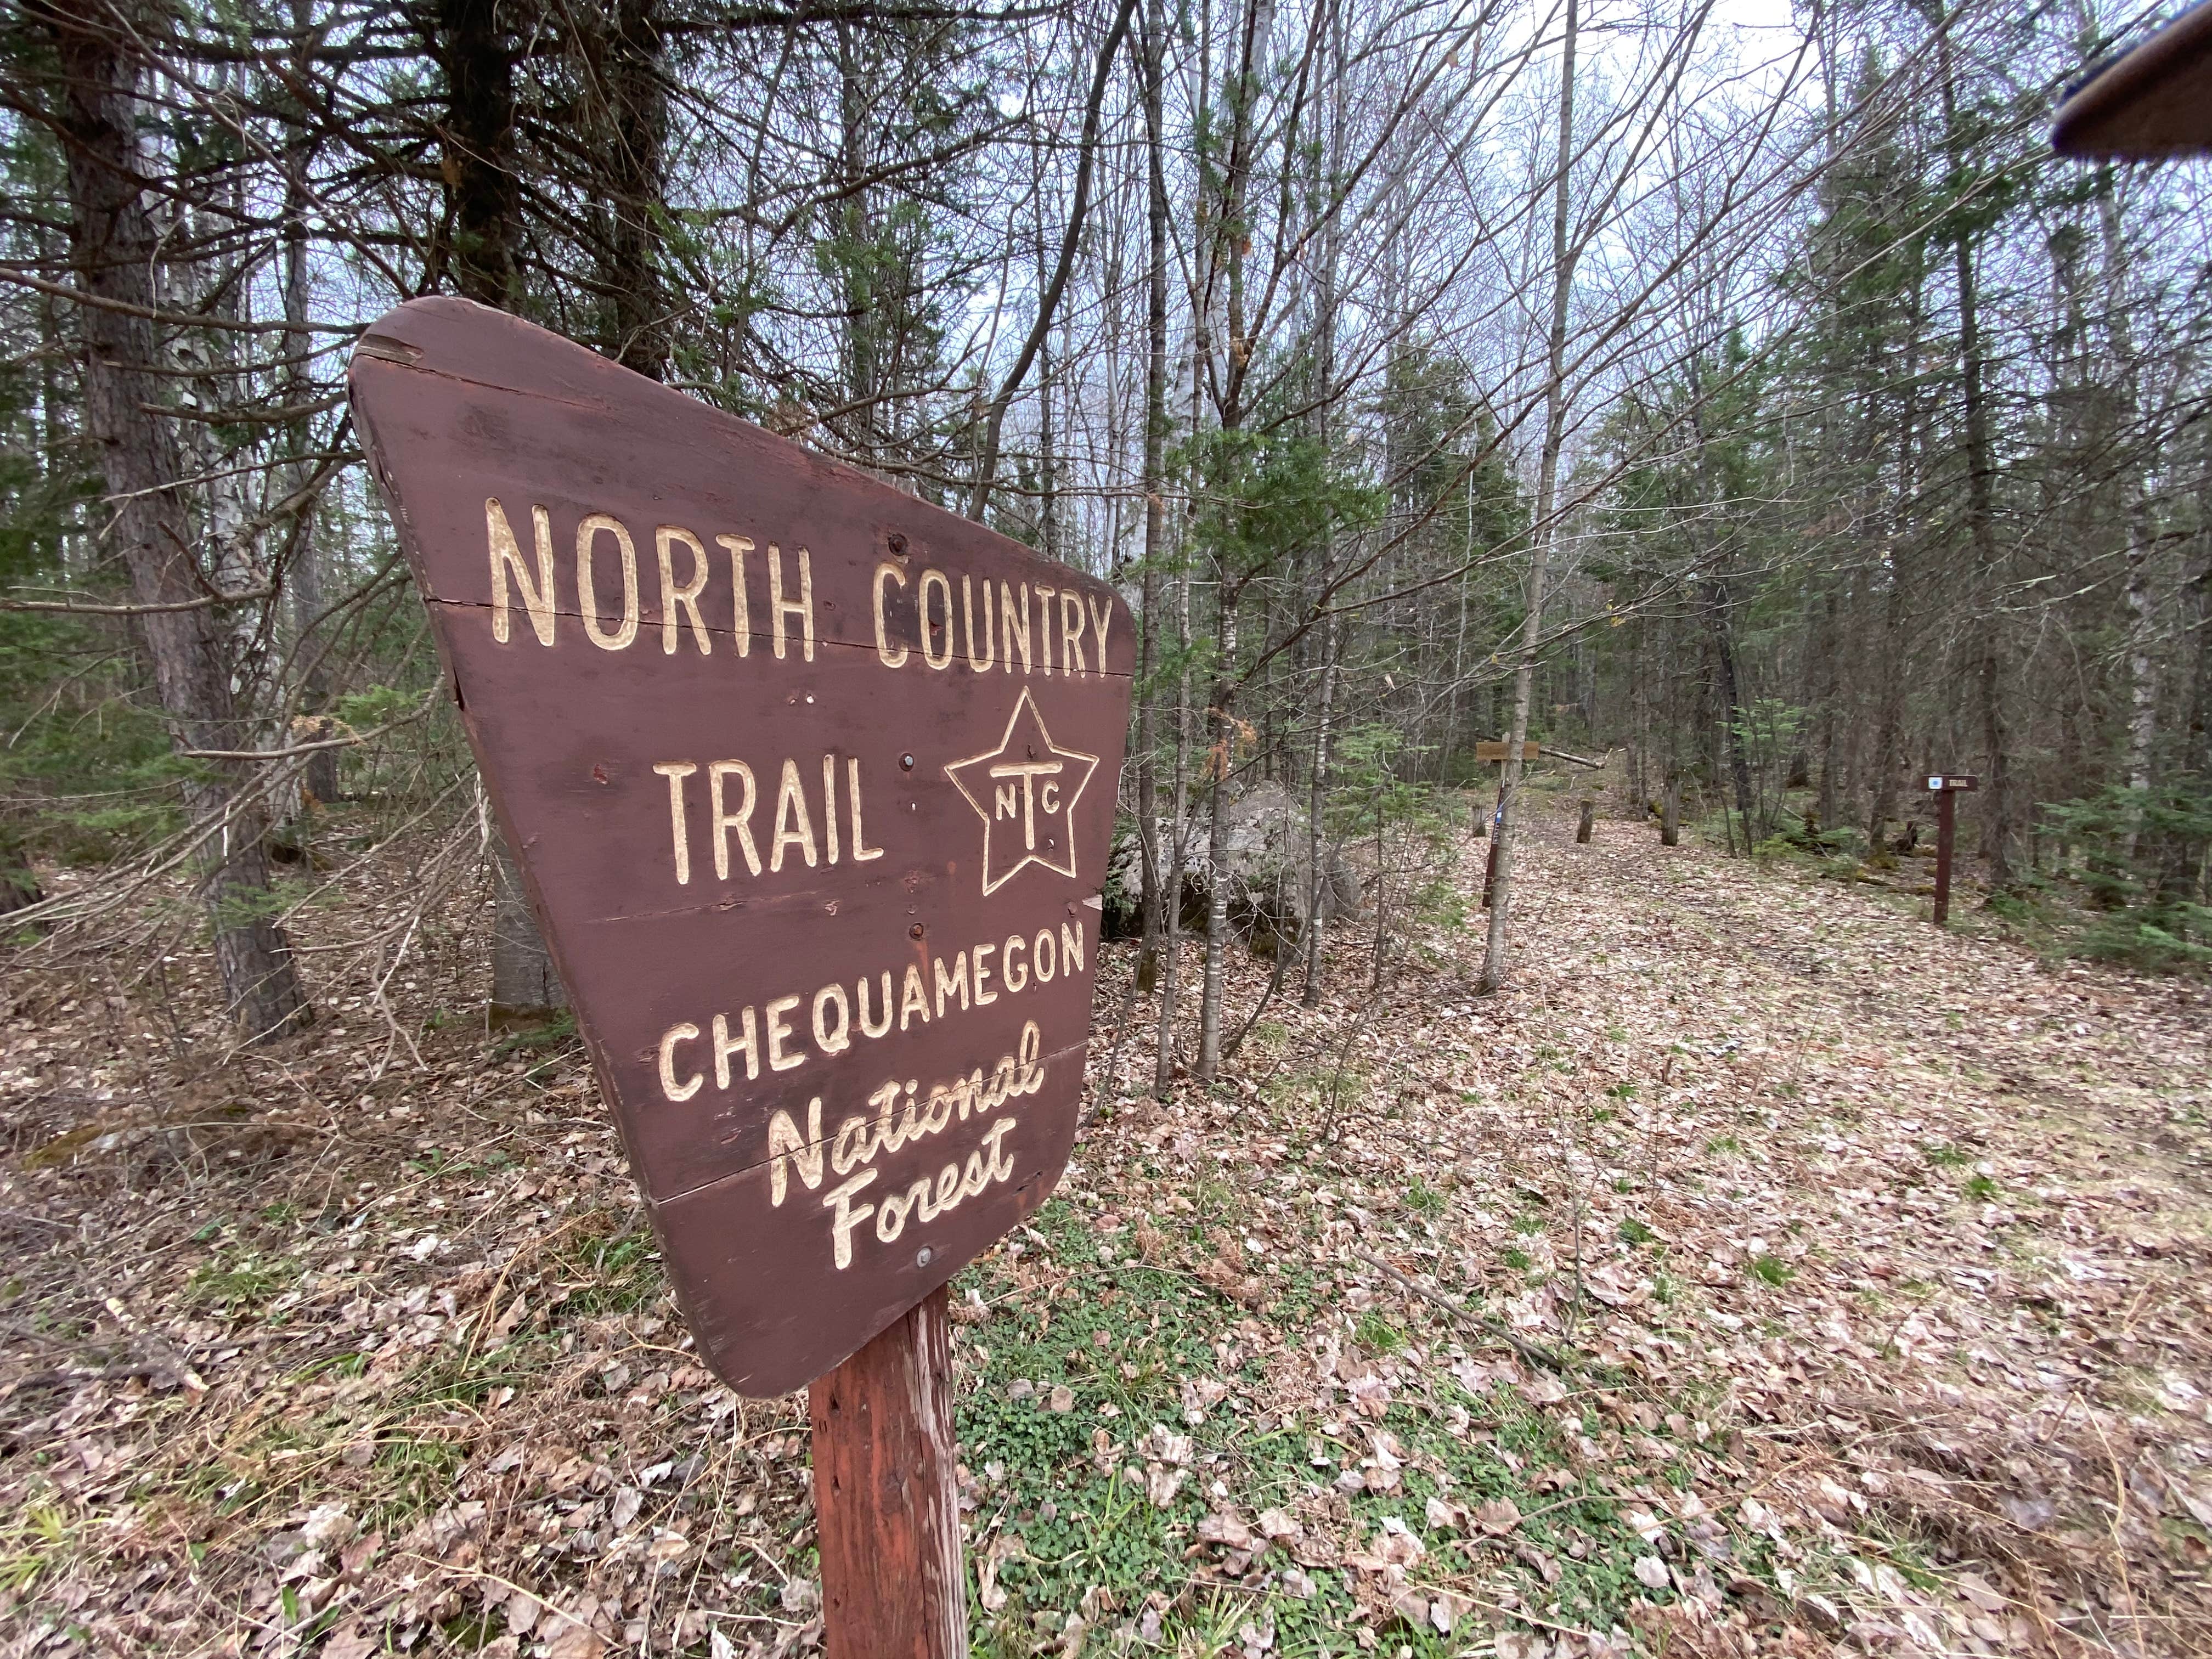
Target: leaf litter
{"points": [[1763, 1271]]}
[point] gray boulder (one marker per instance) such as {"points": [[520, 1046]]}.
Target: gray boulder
{"points": [[1266, 870]]}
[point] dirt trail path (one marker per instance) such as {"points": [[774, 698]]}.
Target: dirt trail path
{"points": [[1933, 1216], [1762, 1272]]}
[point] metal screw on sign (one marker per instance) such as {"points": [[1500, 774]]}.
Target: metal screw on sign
{"points": [[1945, 786]]}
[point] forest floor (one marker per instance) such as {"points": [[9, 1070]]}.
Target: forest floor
{"points": [[1763, 1271]]}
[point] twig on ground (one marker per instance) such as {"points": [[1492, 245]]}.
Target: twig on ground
{"points": [[1534, 1352]]}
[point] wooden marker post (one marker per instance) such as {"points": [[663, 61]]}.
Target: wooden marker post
{"points": [[1946, 788], [809, 785], [1496, 754], [887, 1506], [1587, 825]]}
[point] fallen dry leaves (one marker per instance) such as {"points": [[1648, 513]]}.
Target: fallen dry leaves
{"points": [[1856, 1271]]}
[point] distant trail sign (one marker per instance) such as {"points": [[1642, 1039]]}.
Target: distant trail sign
{"points": [[1946, 788], [812, 786], [1485, 750]]}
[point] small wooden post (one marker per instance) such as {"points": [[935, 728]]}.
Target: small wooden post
{"points": [[1946, 788], [886, 1499], [1583, 829], [1670, 814]]}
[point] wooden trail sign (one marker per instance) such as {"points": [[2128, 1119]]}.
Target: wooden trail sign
{"points": [[1946, 788], [812, 786], [1486, 750]]}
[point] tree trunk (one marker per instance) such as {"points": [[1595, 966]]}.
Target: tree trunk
{"points": [[478, 156], [636, 159], [2181, 864], [1228, 587], [1999, 826], [1717, 620], [486, 204], [1152, 68], [1171, 894], [525, 986], [1670, 812], [1317, 886], [303, 569], [1555, 422], [1220, 762], [113, 249], [2139, 594]]}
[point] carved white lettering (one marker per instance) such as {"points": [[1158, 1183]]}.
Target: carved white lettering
{"points": [[668, 1086], [676, 772], [930, 636], [1101, 614], [967, 620], [887, 572], [779, 607], [861, 851], [738, 546], [955, 981], [1072, 660], [834, 1039], [778, 1033], [803, 1152], [686, 597], [721, 822], [748, 1044], [507, 559], [793, 827], [587, 600]]}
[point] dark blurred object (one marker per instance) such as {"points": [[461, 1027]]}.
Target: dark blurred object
{"points": [[2152, 101]]}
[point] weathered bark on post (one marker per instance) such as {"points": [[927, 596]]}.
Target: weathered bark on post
{"points": [[887, 1503], [1946, 829], [1670, 814], [1588, 823]]}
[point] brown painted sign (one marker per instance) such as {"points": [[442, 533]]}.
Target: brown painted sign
{"points": [[1498, 752], [811, 785]]}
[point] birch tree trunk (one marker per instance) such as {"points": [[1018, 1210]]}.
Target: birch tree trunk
{"points": [[1233, 242], [1151, 68], [1325, 402], [1547, 477]]}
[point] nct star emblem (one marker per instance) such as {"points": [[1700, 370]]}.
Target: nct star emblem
{"points": [[1025, 791]]}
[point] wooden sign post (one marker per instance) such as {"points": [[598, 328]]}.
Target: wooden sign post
{"points": [[1946, 788], [1498, 752], [811, 785]]}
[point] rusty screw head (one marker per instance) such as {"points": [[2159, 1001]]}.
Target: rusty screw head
{"points": [[897, 542], [915, 931]]}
